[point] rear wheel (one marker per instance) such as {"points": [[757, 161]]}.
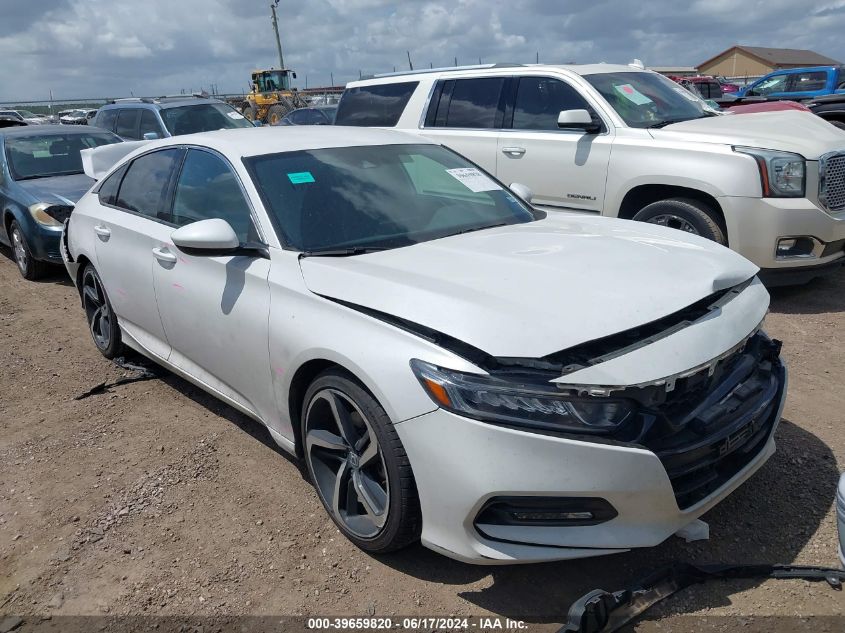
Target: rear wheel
{"points": [[102, 322], [358, 465], [29, 267], [275, 114], [684, 214]]}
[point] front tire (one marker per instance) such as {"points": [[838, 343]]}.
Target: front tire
{"points": [[684, 214], [249, 111], [275, 114], [102, 322], [358, 465], [29, 267]]}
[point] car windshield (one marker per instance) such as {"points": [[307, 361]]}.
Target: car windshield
{"points": [[40, 156], [351, 199], [202, 117], [647, 99]]}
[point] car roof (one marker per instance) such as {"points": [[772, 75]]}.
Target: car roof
{"points": [[495, 69], [51, 130], [257, 141]]}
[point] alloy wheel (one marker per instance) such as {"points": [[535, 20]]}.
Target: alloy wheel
{"points": [[673, 222], [347, 463], [97, 309], [19, 247]]}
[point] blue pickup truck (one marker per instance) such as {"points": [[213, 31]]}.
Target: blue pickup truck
{"points": [[798, 83]]}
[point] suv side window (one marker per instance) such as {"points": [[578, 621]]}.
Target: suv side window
{"points": [[539, 101], [145, 184], [127, 123], [775, 83], [149, 123], [108, 189], [374, 106], [469, 103], [106, 119], [207, 188]]}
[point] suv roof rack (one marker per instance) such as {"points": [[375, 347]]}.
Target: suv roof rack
{"points": [[442, 69], [163, 98]]}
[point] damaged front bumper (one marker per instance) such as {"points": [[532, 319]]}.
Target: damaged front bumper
{"points": [[558, 497]]}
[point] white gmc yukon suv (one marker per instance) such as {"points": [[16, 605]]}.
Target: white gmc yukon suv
{"points": [[622, 141]]}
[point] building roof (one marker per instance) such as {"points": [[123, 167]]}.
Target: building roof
{"points": [[779, 56]]}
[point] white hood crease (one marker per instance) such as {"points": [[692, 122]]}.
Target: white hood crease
{"points": [[533, 289]]}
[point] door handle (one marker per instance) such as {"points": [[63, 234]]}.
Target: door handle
{"points": [[102, 231], [164, 255], [513, 151]]}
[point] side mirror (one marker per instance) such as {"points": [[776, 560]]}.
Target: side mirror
{"points": [[150, 136], [523, 192], [577, 120], [206, 235], [257, 123]]}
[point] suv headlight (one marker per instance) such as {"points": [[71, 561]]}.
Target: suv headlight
{"points": [[39, 214], [782, 174], [537, 406]]}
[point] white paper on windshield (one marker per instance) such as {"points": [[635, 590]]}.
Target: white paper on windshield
{"points": [[472, 179], [632, 94], [235, 115]]}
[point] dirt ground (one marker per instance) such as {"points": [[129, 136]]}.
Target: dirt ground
{"points": [[155, 499]]}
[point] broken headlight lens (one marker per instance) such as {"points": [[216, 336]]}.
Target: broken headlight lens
{"points": [[40, 213], [538, 406], [782, 174]]}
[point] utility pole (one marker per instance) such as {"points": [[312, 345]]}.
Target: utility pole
{"points": [[276, 29], [409, 60]]}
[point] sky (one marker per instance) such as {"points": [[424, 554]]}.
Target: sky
{"points": [[110, 48]]}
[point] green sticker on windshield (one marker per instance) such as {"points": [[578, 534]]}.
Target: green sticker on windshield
{"points": [[300, 177]]}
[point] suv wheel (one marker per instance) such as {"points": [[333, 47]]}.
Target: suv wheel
{"points": [[29, 267], [358, 465], [684, 214], [98, 311]]}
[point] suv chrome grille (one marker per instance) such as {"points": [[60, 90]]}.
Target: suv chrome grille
{"points": [[832, 181]]}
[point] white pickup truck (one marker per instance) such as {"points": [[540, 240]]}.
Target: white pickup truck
{"points": [[622, 141]]}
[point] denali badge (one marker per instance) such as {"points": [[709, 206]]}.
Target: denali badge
{"points": [[580, 196]]}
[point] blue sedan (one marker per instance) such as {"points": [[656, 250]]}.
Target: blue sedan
{"points": [[41, 179]]}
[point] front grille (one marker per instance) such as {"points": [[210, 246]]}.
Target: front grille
{"points": [[708, 432], [832, 182]]}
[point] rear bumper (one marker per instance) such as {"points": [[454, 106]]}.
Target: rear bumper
{"points": [[756, 224]]}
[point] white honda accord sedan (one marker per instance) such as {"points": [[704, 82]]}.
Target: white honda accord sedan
{"points": [[452, 365]]}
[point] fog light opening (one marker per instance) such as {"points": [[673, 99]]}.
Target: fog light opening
{"points": [[792, 247], [545, 511]]}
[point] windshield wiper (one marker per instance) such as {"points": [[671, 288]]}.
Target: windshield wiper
{"points": [[661, 124], [60, 173], [481, 228], [343, 252]]}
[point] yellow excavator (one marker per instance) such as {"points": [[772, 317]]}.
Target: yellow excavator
{"points": [[271, 96]]}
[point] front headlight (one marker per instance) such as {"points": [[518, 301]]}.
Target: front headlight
{"points": [[782, 174], [39, 213], [537, 406]]}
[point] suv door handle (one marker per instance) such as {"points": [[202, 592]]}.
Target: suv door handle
{"points": [[513, 151], [164, 255], [102, 231]]}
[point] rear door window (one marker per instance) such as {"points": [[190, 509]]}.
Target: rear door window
{"points": [[127, 123], [145, 184], [108, 190], [470, 103], [374, 106], [539, 101], [808, 82]]}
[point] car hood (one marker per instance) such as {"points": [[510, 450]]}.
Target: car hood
{"points": [[57, 189], [532, 289], [799, 132]]}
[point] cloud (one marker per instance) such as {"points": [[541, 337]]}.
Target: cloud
{"points": [[99, 48]]}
